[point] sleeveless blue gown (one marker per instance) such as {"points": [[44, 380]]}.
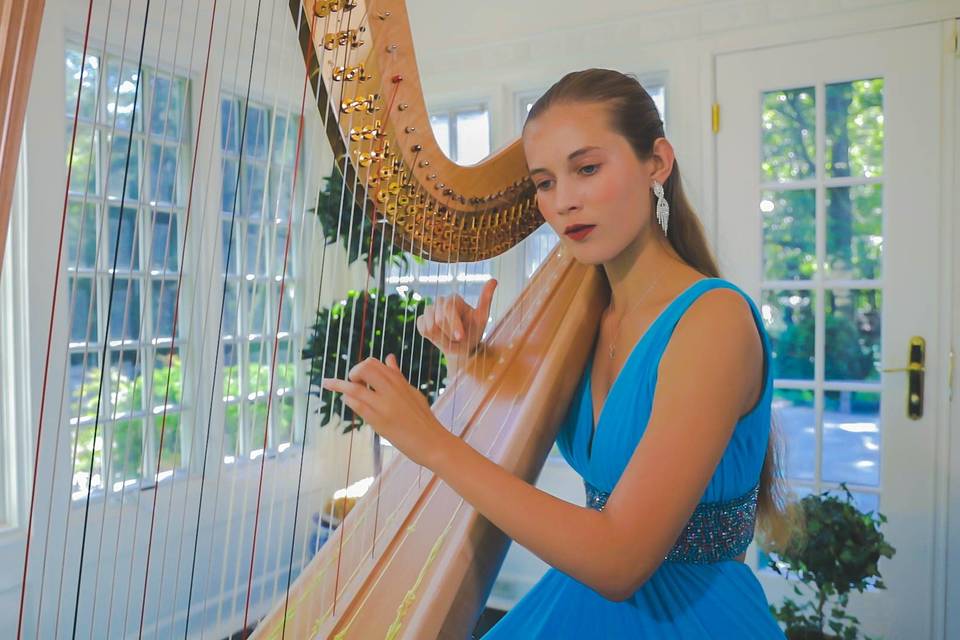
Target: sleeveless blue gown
{"points": [[720, 599]]}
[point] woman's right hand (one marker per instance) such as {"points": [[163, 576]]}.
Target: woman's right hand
{"points": [[453, 325]]}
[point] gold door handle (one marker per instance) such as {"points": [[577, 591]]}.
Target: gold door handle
{"points": [[915, 370], [913, 366]]}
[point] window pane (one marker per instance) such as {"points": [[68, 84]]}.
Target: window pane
{"points": [[125, 313], [88, 88], [252, 189], [256, 138], [473, 137], [789, 317], [537, 246], [83, 321], [283, 409], [231, 431], [121, 88], [126, 455], [163, 173], [854, 136], [441, 131], [286, 313], [279, 203], [228, 199], [793, 411], [280, 254], [231, 309], [167, 436], [124, 161], [788, 135], [163, 255], [231, 371], [125, 226], [258, 426], [84, 174], [851, 437], [229, 126], [84, 383], [126, 383], [256, 249], [855, 232], [87, 443], [167, 106], [286, 365], [81, 236], [260, 355], [163, 300], [853, 334], [167, 379], [789, 234], [257, 318]]}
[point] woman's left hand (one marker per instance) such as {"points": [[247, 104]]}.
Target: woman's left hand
{"points": [[380, 395]]}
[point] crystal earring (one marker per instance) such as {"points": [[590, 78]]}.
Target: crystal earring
{"points": [[663, 208]]}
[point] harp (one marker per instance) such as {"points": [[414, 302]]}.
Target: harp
{"points": [[208, 536]]}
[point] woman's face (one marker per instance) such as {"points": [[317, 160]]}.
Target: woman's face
{"points": [[587, 175]]}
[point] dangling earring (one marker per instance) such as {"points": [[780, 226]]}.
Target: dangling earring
{"points": [[663, 208]]}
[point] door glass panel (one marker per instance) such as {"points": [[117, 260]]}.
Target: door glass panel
{"points": [[789, 318], [852, 334], [789, 234], [795, 417], [854, 134], [854, 232], [787, 143], [851, 437]]}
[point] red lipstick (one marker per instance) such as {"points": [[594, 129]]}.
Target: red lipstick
{"points": [[578, 231]]}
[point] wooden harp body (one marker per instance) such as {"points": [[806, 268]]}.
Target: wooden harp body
{"points": [[411, 559]]}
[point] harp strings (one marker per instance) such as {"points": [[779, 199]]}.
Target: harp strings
{"points": [[121, 281], [297, 500], [288, 235], [46, 369], [104, 351]]}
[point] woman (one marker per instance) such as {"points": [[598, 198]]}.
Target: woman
{"points": [[670, 424]]}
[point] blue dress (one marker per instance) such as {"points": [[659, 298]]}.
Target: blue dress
{"points": [[683, 598]]}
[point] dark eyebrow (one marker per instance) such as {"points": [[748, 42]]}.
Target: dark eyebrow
{"points": [[572, 156]]}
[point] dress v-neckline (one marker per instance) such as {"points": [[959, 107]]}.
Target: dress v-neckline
{"points": [[595, 426]]}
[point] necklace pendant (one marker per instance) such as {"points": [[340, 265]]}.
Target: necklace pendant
{"points": [[611, 350]]}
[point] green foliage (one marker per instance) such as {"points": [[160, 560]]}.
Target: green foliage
{"points": [[334, 205], [388, 326], [838, 553], [128, 433]]}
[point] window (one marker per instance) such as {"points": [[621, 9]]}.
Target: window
{"points": [[253, 265], [464, 135], [126, 206]]}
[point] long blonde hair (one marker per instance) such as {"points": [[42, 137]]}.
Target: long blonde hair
{"points": [[633, 114]]}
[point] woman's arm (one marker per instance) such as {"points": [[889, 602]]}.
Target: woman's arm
{"points": [[707, 378]]}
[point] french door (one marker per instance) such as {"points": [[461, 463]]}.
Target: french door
{"points": [[828, 185]]}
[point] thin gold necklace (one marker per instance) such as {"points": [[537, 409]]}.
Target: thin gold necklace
{"points": [[643, 295]]}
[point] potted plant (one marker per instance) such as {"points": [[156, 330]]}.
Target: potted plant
{"points": [[838, 551], [387, 325]]}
